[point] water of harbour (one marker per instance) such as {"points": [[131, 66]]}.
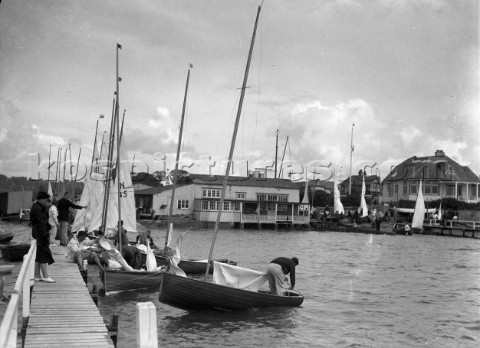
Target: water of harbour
{"points": [[385, 291]]}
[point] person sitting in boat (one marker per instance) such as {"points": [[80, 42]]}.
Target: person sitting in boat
{"points": [[143, 237], [276, 272], [122, 235], [77, 251]]}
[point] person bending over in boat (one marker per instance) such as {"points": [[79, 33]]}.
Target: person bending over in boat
{"points": [[276, 272], [143, 237], [78, 250]]}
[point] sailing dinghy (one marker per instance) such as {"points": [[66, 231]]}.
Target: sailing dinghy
{"points": [[193, 294]]}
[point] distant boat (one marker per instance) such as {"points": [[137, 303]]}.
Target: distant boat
{"points": [[337, 203], [419, 213], [192, 294]]}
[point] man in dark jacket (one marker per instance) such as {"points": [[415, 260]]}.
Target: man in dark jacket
{"points": [[276, 271], [64, 205]]}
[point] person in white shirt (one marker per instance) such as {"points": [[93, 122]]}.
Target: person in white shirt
{"points": [[53, 221], [79, 249]]}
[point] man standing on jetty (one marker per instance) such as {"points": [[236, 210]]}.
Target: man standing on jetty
{"points": [[64, 205]]}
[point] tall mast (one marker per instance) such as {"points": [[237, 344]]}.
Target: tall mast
{"points": [[283, 156], [64, 170], [117, 118], [276, 154], [76, 171], [232, 146], [109, 165], [351, 154], [177, 160], [49, 155]]}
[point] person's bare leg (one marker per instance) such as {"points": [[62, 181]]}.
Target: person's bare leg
{"points": [[43, 268], [38, 275]]}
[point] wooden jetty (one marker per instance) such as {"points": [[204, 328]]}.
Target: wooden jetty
{"points": [[63, 314]]}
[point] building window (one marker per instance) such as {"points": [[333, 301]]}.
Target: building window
{"points": [[240, 195], [211, 193], [182, 204], [272, 198], [261, 197], [204, 205], [405, 187], [414, 187], [283, 198], [431, 187], [236, 206], [213, 205], [226, 206], [390, 189]]}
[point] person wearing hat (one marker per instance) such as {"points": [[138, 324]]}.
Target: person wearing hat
{"points": [[276, 272], [40, 231]]}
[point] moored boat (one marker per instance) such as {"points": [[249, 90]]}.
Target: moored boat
{"points": [[14, 252], [191, 266], [193, 294], [5, 237], [122, 280], [6, 268]]}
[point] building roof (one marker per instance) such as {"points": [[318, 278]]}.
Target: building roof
{"points": [[438, 167], [217, 180], [203, 179]]}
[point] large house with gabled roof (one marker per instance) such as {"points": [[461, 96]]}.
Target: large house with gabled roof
{"points": [[248, 200], [442, 178]]}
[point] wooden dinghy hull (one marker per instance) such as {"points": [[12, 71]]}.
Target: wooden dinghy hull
{"points": [[121, 280], [14, 252], [4, 269], [192, 266], [192, 294], [6, 237]]}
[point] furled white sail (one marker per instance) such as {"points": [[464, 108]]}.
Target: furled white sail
{"points": [[363, 203], [337, 203], [419, 213]]}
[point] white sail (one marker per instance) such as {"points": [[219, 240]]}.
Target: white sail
{"points": [[337, 203], [92, 196], [419, 213], [126, 196], [363, 202]]}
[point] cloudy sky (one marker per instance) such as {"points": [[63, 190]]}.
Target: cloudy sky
{"points": [[405, 73]]}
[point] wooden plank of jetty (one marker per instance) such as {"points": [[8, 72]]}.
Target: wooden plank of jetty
{"points": [[63, 314]]}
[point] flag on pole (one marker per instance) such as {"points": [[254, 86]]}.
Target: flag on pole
{"points": [[119, 46], [191, 65]]}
